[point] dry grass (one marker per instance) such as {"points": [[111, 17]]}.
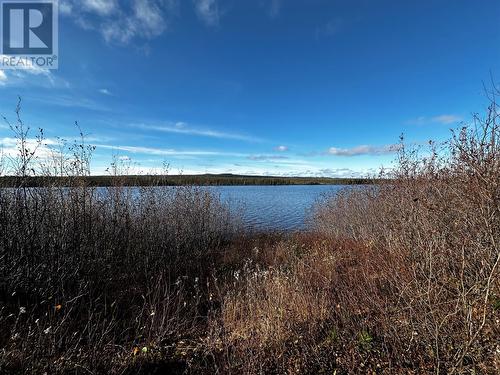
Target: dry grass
{"points": [[438, 228], [87, 276], [402, 277], [101, 280]]}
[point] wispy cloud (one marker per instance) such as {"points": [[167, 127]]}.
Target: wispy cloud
{"points": [[10, 147], [183, 128], [281, 148], [166, 151], [363, 150], [445, 119], [65, 7], [3, 78], [121, 22], [11, 142], [105, 92], [267, 157], [27, 74], [207, 11], [68, 102], [344, 173], [283, 171], [103, 7]]}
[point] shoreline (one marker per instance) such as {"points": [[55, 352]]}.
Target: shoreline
{"points": [[179, 180]]}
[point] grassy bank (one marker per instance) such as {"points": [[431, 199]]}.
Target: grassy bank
{"points": [[401, 277]]}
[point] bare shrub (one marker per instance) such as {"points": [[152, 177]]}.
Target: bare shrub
{"points": [[100, 279], [436, 224]]}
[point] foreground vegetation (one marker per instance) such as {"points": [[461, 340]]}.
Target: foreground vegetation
{"points": [[402, 277]]}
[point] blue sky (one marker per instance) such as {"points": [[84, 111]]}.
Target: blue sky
{"points": [[279, 87]]}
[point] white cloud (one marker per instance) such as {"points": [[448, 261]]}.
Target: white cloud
{"points": [[267, 157], [101, 7], [65, 8], [147, 20], [363, 150], [11, 142], [279, 170], [105, 92], [149, 13], [445, 119], [120, 22], [345, 173], [249, 170], [3, 78], [28, 67], [281, 148], [166, 152], [183, 128], [247, 164], [194, 161], [68, 101], [13, 77], [10, 147], [207, 11]]}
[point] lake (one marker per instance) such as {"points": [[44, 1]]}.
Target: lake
{"points": [[271, 207], [283, 207]]}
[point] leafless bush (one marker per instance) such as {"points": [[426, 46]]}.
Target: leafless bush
{"points": [[99, 279], [437, 226]]}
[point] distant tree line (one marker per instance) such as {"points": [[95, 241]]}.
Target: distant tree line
{"points": [[179, 180]]}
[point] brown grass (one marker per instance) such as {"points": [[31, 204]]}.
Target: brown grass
{"points": [[401, 277]]}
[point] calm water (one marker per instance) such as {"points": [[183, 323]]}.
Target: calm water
{"points": [[274, 207]]}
